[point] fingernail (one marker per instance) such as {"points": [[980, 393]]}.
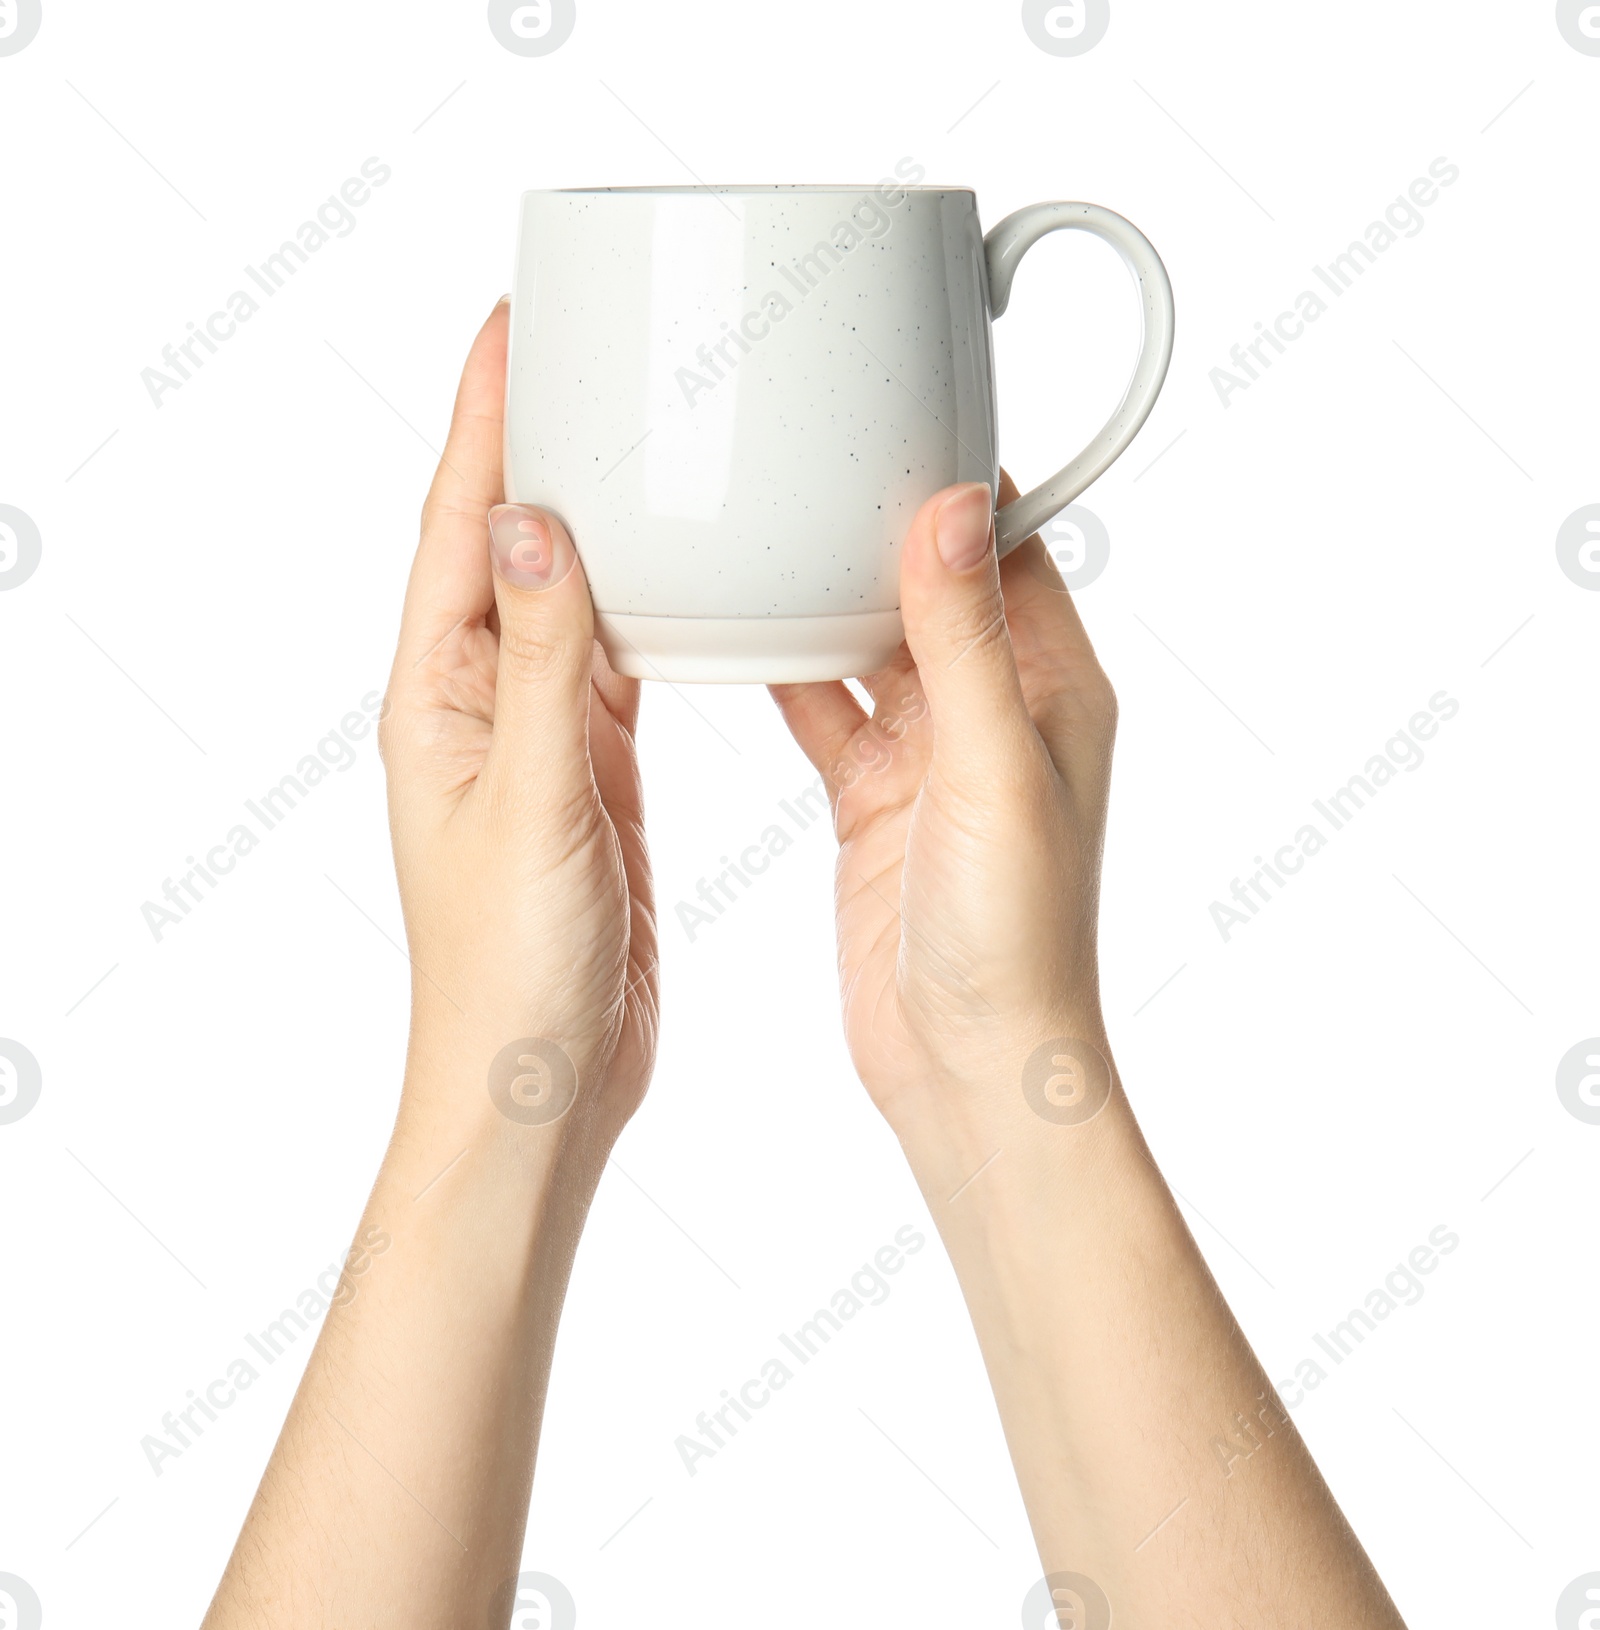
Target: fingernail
{"points": [[530, 550], [962, 526], [504, 300]]}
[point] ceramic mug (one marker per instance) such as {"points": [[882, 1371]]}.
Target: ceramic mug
{"points": [[736, 398]]}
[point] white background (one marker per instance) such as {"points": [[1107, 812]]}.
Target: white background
{"points": [[1301, 570]]}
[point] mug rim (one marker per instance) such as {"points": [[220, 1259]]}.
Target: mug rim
{"points": [[743, 188]]}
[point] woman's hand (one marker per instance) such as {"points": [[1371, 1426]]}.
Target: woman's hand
{"points": [[398, 1492], [970, 809], [514, 797]]}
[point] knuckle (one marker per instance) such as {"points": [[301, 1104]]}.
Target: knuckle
{"points": [[531, 653], [1083, 693], [410, 738], [440, 507], [976, 629], [544, 800], [1103, 699], [395, 731], [388, 732]]}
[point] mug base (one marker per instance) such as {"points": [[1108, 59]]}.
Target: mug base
{"points": [[748, 650]]}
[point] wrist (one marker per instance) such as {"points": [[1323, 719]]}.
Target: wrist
{"points": [[1008, 1084], [521, 1118], [1016, 1158], [1009, 1171], [1044, 1220], [522, 1079]]}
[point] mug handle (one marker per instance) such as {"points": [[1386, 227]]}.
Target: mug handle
{"points": [[1004, 248]]}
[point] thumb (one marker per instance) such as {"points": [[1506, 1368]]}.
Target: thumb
{"points": [[541, 701], [955, 622]]}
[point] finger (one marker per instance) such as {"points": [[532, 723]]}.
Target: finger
{"points": [[956, 626], [1063, 684], [540, 749], [620, 694], [898, 700], [897, 675], [613, 722], [1031, 584], [823, 718], [614, 763], [450, 579]]}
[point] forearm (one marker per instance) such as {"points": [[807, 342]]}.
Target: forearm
{"points": [[1118, 1368], [398, 1492]]}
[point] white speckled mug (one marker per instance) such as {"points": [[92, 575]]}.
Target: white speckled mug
{"points": [[737, 397]]}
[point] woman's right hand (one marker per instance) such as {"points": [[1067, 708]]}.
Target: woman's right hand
{"points": [[970, 812], [970, 809]]}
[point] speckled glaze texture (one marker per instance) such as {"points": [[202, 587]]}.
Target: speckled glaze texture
{"points": [[736, 399]]}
